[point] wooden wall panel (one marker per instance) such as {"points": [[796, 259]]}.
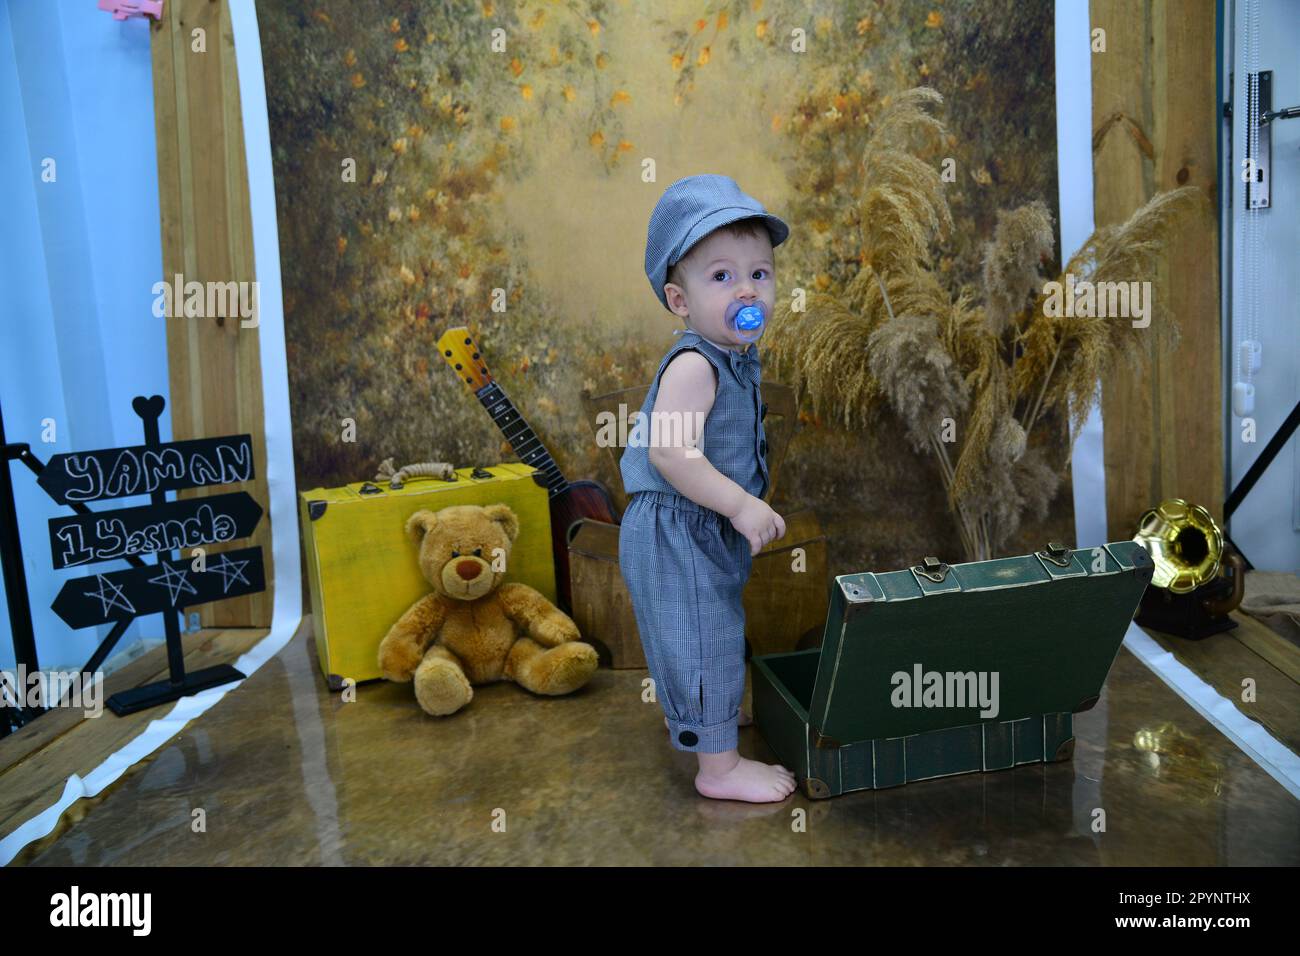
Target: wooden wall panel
{"points": [[1163, 430], [214, 365]]}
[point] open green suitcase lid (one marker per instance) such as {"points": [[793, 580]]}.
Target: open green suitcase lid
{"points": [[1048, 624]]}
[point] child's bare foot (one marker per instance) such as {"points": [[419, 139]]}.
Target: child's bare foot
{"points": [[744, 720], [729, 776]]}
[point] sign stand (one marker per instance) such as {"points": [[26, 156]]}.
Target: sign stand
{"points": [[159, 528], [180, 683], [15, 581]]}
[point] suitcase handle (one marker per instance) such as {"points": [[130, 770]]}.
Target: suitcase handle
{"points": [[396, 477], [396, 485]]}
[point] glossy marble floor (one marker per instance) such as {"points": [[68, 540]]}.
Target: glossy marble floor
{"points": [[286, 772]]}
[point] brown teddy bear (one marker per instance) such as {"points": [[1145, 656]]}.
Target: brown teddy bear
{"points": [[473, 629]]}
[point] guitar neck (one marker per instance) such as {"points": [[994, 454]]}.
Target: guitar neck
{"points": [[522, 438]]}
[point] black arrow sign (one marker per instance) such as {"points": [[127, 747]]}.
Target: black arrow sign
{"points": [[84, 602], [142, 470], [170, 526]]}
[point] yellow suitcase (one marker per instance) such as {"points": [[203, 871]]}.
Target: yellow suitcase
{"points": [[362, 568]]}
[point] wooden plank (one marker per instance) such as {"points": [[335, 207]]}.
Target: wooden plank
{"points": [[1224, 663], [167, 144], [214, 364], [39, 733], [1122, 181], [1268, 644], [37, 782], [1187, 125], [248, 383], [1153, 96], [147, 668]]}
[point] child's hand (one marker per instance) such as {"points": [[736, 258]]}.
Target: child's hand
{"points": [[759, 523]]}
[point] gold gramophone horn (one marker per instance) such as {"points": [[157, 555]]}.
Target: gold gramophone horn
{"points": [[1187, 596], [1184, 543]]}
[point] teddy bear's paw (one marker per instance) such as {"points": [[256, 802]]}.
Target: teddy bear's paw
{"points": [[441, 687], [563, 669], [555, 631], [398, 660]]}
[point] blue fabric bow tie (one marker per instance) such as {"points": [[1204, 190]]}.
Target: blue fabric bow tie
{"points": [[745, 364]]}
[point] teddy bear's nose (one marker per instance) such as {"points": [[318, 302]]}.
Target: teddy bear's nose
{"points": [[468, 570]]}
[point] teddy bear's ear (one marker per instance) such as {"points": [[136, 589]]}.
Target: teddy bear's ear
{"points": [[420, 524], [505, 517]]}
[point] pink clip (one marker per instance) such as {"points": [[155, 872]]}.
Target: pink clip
{"points": [[121, 9]]}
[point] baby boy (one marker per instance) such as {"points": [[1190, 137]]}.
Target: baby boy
{"points": [[696, 515]]}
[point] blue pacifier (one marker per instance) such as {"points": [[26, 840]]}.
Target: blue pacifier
{"points": [[747, 321]]}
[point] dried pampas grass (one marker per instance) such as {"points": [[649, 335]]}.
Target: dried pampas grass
{"points": [[1022, 239], [903, 202], [893, 339]]}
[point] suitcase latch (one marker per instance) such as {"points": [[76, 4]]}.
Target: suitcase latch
{"points": [[933, 569], [370, 489], [480, 473], [1057, 553]]}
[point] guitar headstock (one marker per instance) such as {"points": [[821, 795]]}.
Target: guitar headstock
{"points": [[457, 347]]}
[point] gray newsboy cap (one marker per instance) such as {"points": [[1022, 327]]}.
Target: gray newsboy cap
{"points": [[689, 210]]}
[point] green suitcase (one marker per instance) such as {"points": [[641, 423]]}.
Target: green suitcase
{"points": [[939, 670]]}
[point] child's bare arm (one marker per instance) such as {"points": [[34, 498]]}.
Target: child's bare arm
{"points": [[688, 387]]}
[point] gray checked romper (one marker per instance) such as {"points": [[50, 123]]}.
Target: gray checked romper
{"points": [[686, 565]]}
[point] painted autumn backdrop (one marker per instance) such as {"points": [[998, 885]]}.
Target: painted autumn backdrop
{"points": [[522, 170]]}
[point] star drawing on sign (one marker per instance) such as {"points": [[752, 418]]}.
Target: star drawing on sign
{"points": [[229, 570], [110, 596], [175, 581]]}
